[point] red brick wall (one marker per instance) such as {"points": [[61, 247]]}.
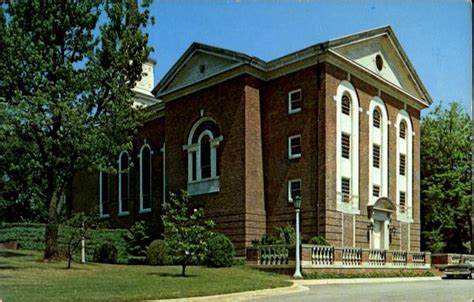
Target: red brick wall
{"points": [[366, 92], [277, 126]]}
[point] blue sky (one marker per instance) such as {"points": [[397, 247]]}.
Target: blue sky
{"points": [[436, 35]]}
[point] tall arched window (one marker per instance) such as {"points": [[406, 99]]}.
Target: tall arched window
{"points": [[347, 148], [124, 183], [203, 157], [145, 178], [404, 167], [104, 194], [378, 150]]}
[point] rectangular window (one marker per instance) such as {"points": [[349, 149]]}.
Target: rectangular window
{"points": [[104, 194], [376, 156], [294, 189], [376, 190], [294, 146], [402, 164], [402, 202], [294, 101], [346, 189], [346, 145]]}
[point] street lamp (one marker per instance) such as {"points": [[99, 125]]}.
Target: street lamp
{"points": [[297, 205]]}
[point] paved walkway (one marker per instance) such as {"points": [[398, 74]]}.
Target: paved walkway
{"points": [[298, 286]]}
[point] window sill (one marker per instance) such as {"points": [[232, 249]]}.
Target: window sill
{"points": [[295, 156], [123, 213], [404, 218], [144, 211], [204, 186], [347, 208], [294, 111], [104, 216]]}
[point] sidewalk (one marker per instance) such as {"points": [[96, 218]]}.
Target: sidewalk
{"points": [[298, 286]]}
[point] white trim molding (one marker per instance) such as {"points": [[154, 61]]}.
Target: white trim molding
{"points": [[347, 167], [142, 208], [290, 107], [197, 183], [121, 212], [379, 136], [290, 183], [290, 150], [101, 195], [405, 182]]}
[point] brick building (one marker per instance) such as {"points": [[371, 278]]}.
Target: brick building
{"points": [[337, 123]]}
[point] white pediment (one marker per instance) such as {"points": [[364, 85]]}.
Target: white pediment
{"points": [[198, 66], [392, 69]]}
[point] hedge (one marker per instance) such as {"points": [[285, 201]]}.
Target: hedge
{"points": [[30, 236]]}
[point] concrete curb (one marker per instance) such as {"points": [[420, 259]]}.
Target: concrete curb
{"points": [[298, 286], [295, 288], [364, 280]]}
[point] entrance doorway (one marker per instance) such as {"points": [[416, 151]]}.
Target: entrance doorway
{"points": [[379, 235]]}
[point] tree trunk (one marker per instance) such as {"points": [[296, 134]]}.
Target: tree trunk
{"points": [[52, 229], [183, 270]]}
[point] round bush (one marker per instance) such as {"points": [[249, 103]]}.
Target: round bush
{"points": [[220, 251], [105, 253], [157, 253]]}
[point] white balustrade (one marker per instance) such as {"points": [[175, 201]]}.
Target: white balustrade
{"points": [[322, 255]]}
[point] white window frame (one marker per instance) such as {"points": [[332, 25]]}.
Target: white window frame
{"points": [[101, 201], [405, 182], [201, 185], [378, 176], [142, 209], [347, 168], [120, 175], [290, 151], [290, 182], [290, 110]]}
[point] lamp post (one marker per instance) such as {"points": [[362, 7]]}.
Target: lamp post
{"points": [[297, 205]]}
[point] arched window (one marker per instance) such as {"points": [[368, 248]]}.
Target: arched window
{"points": [[376, 118], [124, 183], [203, 157], [378, 150], [104, 193], [404, 167], [145, 178], [347, 148], [346, 105], [403, 129]]}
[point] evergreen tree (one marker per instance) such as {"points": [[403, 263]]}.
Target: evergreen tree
{"points": [[67, 70], [446, 179]]}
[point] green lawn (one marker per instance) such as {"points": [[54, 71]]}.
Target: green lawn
{"points": [[24, 277]]}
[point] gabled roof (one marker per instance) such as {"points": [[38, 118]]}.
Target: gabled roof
{"points": [[201, 62]]}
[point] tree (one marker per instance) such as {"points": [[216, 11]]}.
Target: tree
{"points": [[137, 239], [68, 68], [446, 179], [76, 229], [186, 231]]}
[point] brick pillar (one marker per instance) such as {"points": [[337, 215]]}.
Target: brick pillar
{"points": [[255, 218]]}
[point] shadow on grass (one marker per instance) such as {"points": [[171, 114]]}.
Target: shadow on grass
{"points": [[171, 275], [9, 254], [10, 267]]}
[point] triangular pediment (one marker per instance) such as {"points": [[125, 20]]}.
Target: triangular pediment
{"points": [[199, 66], [199, 62], [382, 56]]}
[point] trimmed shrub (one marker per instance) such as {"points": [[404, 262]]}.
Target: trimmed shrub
{"points": [[157, 253], [318, 240], [220, 251], [106, 253], [287, 234]]}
